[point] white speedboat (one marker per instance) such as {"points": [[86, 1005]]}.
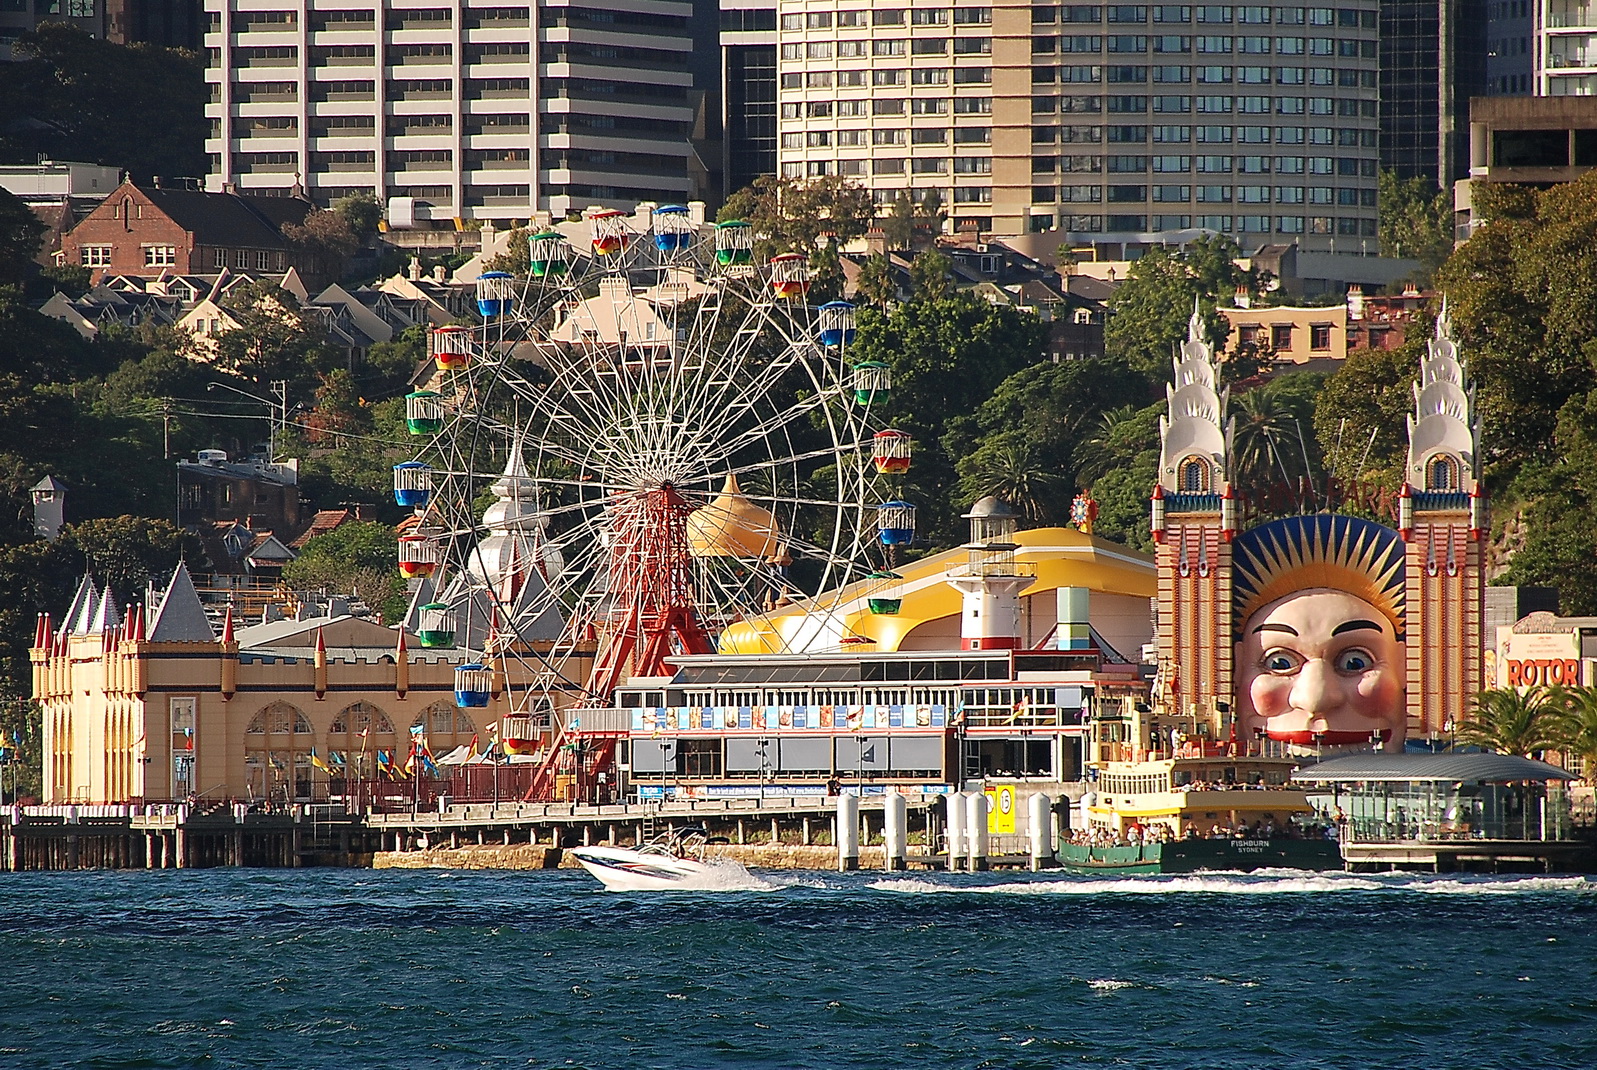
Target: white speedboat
{"points": [[676, 861]]}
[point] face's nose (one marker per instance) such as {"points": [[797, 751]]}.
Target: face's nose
{"points": [[1318, 691]]}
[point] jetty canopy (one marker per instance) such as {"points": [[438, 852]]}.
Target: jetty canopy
{"points": [[1467, 767]]}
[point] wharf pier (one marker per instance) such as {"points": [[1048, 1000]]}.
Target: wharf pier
{"points": [[181, 836]]}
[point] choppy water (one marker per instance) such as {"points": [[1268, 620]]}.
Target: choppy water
{"points": [[224, 969]]}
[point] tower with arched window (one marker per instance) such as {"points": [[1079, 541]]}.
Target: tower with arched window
{"points": [[1193, 521], [1443, 521]]}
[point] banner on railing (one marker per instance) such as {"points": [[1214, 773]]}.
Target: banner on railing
{"points": [[662, 720]]}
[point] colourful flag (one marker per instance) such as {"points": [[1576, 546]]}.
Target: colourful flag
{"points": [[385, 765], [410, 761], [471, 748], [337, 759], [318, 763], [427, 766]]}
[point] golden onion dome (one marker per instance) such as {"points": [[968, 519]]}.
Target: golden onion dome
{"points": [[732, 526]]}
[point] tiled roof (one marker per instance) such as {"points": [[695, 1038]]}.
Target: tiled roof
{"points": [[230, 219]]}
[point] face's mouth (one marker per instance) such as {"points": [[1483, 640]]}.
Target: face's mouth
{"points": [[1334, 739]]}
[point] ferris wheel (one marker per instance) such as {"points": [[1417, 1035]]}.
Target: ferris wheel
{"points": [[648, 438]]}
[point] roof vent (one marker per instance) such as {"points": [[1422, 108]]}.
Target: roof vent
{"points": [[213, 457]]}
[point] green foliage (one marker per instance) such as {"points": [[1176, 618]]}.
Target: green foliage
{"points": [[20, 235], [1150, 311], [390, 365], [1274, 435], [930, 275], [361, 212], [68, 279], [272, 339], [947, 356], [359, 558], [127, 552], [1416, 220], [1360, 414], [1028, 439], [517, 257], [72, 96], [898, 226], [875, 282], [1510, 721], [794, 214]]}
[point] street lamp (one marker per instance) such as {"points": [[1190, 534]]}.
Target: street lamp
{"points": [[761, 745], [278, 409]]}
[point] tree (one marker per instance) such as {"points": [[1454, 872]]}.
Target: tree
{"points": [[326, 240], [1149, 313], [875, 282], [929, 275], [359, 559], [1359, 417], [947, 356], [898, 227], [20, 234], [1510, 721], [794, 214], [127, 552], [1577, 727], [72, 96], [272, 339], [1269, 437], [1032, 434], [361, 212], [1416, 220], [1014, 472]]}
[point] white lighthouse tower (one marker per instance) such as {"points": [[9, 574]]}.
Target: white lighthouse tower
{"points": [[991, 580]]}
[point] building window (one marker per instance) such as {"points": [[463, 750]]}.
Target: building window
{"points": [[160, 256], [1442, 474], [1281, 336], [1320, 336], [95, 255], [1194, 476]]}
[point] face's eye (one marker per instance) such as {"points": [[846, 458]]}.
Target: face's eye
{"points": [[1355, 660], [1281, 662]]}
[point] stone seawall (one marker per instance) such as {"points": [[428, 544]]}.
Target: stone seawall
{"points": [[521, 856]]}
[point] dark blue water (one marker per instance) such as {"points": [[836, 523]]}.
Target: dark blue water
{"points": [[411, 969]]}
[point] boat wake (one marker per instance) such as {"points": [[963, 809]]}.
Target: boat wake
{"points": [[1279, 882]]}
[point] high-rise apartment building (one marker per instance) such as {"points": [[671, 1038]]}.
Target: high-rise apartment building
{"points": [[444, 109], [1565, 48], [1110, 123]]}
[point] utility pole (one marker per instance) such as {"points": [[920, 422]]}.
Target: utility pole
{"points": [[166, 429]]}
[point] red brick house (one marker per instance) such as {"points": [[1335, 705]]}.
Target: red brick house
{"points": [[151, 231]]}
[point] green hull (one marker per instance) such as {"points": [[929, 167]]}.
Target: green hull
{"points": [[1190, 856]]}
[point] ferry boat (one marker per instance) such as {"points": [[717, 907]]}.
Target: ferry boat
{"points": [[1172, 793]]}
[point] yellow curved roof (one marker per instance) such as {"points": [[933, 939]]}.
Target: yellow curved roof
{"points": [[1063, 557], [732, 526]]}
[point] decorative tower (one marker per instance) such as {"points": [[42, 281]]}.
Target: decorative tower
{"points": [[1194, 518], [991, 580], [1443, 520]]}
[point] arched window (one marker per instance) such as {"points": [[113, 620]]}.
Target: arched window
{"points": [[357, 733], [277, 744], [1442, 473], [1193, 476], [446, 726]]}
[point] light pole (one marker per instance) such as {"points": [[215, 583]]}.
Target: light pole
{"points": [[277, 410], [761, 747]]}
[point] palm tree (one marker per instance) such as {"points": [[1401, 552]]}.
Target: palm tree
{"points": [[1108, 447], [1015, 474], [1509, 721], [1577, 725], [1265, 428]]}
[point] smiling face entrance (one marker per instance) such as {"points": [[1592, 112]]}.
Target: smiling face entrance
{"points": [[1322, 667]]}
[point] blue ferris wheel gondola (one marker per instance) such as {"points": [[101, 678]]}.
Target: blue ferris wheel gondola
{"points": [[673, 229], [413, 485], [473, 685], [495, 294], [895, 523], [836, 321]]}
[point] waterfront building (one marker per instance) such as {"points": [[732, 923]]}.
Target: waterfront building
{"points": [[470, 111], [980, 663], [1110, 123]]}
